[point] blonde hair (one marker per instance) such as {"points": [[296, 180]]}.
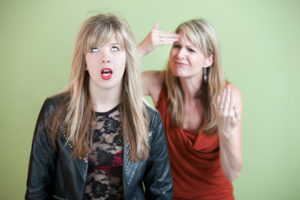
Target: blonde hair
{"points": [[75, 115], [202, 35]]}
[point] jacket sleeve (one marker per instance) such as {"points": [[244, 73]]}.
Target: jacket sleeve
{"points": [[158, 178], [42, 159]]}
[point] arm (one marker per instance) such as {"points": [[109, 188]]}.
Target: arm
{"points": [[152, 82], [41, 164], [158, 178], [230, 110]]}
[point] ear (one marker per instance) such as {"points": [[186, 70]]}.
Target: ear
{"points": [[209, 60]]}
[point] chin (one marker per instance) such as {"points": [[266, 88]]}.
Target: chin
{"points": [[179, 74], [175, 72]]}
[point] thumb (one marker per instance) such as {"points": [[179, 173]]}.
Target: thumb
{"points": [[155, 25]]}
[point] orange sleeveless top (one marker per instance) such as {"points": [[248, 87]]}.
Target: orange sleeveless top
{"points": [[195, 162]]}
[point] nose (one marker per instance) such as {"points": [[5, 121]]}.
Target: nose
{"points": [[105, 57], [180, 53], [105, 61]]}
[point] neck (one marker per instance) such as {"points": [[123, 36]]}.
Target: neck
{"points": [[190, 87], [104, 100]]}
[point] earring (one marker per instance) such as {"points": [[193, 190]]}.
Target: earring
{"points": [[205, 74]]}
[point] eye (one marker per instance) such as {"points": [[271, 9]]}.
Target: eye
{"points": [[94, 49], [115, 48], [191, 50]]}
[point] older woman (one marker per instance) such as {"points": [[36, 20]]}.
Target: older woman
{"points": [[201, 111]]}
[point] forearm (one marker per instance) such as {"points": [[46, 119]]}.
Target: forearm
{"points": [[144, 48], [230, 110], [230, 155]]}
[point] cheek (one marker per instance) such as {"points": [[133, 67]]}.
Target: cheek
{"points": [[122, 68], [93, 72], [122, 59], [90, 61], [199, 63], [121, 64], [91, 66], [173, 68], [172, 53]]}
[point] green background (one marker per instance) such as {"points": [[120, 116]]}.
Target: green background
{"points": [[260, 48]]}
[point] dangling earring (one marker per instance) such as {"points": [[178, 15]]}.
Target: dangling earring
{"points": [[205, 74]]}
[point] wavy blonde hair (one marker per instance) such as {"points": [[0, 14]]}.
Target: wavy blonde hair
{"points": [[203, 36], [75, 115]]}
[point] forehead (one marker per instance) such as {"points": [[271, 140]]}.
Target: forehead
{"points": [[184, 39], [101, 39], [110, 40]]}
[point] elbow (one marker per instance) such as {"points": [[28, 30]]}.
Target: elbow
{"points": [[234, 174]]}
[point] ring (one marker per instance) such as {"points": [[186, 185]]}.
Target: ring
{"points": [[221, 107]]}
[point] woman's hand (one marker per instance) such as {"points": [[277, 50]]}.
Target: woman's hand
{"points": [[156, 38], [229, 117], [228, 113]]}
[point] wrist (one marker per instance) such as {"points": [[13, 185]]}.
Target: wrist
{"points": [[224, 134], [144, 48]]}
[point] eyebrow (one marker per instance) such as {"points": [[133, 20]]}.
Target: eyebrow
{"points": [[189, 46], [114, 43]]}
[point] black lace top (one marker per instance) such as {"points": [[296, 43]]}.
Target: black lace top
{"points": [[105, 162]]}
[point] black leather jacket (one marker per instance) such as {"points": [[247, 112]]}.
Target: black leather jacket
{"points": [[55, 174]]}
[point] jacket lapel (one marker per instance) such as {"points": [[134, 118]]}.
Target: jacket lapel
{"points": [[129, 169]]}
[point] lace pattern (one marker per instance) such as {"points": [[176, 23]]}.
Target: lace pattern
{"points": [[105, 162]]}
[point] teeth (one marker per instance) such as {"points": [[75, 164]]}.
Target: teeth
{"points": [[106, 71]]}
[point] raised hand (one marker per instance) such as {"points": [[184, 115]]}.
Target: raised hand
{"points": [[228, 113], [156, 38]]}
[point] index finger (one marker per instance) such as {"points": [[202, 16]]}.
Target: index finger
{"points": [[155, 26], [168, 34]]}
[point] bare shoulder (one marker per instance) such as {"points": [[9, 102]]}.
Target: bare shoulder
{"points": [[235, 89], [152, 83], [153, 74]]}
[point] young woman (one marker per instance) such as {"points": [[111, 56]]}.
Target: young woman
{"points": [[97, 139], [201, 111]]}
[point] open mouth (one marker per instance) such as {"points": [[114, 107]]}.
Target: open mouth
{"points": [[106, 73]]}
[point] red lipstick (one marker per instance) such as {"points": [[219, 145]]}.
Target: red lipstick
{"points": [[106, 73]]}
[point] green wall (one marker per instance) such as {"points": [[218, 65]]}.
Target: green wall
{"points": [[260, 45]]}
